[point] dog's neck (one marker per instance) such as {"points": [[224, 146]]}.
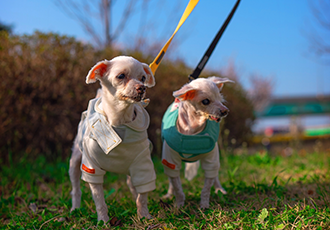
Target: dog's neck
{"points": [[189, 121], [117, 111]]}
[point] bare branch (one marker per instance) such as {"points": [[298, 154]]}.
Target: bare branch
{"points": [[144, 16], [261, 91], [82, 13], [95, 17], [320, 31], [321, 13], [105, 9], [126, 15]]}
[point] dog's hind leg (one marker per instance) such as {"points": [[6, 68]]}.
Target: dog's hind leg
{"points": [[131, 187], [75, 174], [98, 197], [218, 187], [170, 191], [205, 195], [142, 205], [178, 192]]}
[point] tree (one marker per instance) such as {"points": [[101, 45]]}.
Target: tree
{"points": [[261, 91], [320, 29], [98, 21], [261, 88], [87, 12], [7, 28]]}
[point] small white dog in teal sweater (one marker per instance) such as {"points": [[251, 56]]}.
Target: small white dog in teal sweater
{"points": [[190, 130]]}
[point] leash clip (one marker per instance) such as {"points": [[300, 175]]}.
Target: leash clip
{"points": [[190, 78]]}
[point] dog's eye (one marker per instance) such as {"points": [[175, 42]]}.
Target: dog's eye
{"points": [[121, 76], [206, 102], [143, 79]]}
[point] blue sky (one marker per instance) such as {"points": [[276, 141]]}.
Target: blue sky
{"points": [[264, 37]]}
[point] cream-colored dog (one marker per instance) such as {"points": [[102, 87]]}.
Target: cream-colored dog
{"points": [[112, 134], [190, 130]]}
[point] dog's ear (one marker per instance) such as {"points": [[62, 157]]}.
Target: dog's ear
{"points": [[150, 81], [219, 81], [97, 72], [185, 93]]}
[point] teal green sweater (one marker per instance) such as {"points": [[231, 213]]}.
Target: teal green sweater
{"points": [[200, 143]]}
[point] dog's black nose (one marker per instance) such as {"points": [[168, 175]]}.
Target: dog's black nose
{"points": [[140, 89], [224, 112]]}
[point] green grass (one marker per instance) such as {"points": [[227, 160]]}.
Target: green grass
{"points": [[264, 192]]}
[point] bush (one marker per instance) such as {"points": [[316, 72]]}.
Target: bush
{"points": [[43, 92]]}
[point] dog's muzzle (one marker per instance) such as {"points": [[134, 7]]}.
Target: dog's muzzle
{"points": [[140, 92], [140, 89], [224, 112], [220, 114]]}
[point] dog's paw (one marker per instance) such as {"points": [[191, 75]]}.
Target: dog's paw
{"points": [[143, 212], [167, 196], [149, 217], [222, 190], [179, 200], [204, 205], [179, 204], [145, 215], [74, 207], [105, 218]]}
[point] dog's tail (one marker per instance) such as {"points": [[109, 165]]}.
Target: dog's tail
{"points": [[191, 170]]}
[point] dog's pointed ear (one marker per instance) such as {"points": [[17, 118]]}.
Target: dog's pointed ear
{"points": [[185, 93], [98, 71], [220, 81], [150, 81]]}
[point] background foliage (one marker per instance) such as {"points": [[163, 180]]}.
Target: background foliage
{"points": [[43, 92]]}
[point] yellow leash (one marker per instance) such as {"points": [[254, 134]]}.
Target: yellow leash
{"points": [[154, 65]]}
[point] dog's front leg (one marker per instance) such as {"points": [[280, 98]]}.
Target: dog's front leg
{"points": [[131, 187], [205, 195], [142, 205], [178, 192], [98, 197], [75, 174]]}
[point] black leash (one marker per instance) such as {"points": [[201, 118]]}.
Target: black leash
{"points": [[209, 51]]}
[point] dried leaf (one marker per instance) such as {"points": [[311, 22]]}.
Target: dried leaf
{"points": [[163, 204], [19, 199], [115, 222], [153, 226], [33, 207], [61, 219]]}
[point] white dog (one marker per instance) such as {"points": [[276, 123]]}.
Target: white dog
{"points": [[112, 134], [190, 130]]}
